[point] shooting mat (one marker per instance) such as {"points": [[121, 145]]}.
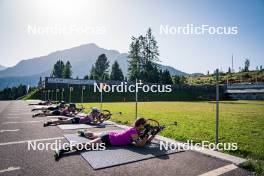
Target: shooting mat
{"points": [[114, 156], [84, 126]]}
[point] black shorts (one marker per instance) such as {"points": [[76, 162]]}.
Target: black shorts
{"points": [[75, 120], [53, 108], [56, 112], [105, 139]]}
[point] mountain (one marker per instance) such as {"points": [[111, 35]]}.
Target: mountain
{"points": [[196, 74], [81, 57], [2, 67], [173, 71]]}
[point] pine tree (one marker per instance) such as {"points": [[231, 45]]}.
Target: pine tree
{"points": [[93, 73], [176, 79], [99, 70], [143, 55], [40, 81], [247, 64], [67, 72], [229, 70], [151, 73], [86, 77], [150, 55], [166, 77], [134, 56], [151, 47], [58, 69], [116, 72], [13, 93]]}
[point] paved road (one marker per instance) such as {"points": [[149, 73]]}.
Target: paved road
{"points": [[17, 126]]}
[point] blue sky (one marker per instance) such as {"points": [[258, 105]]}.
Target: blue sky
{"points": [[122, 19]]}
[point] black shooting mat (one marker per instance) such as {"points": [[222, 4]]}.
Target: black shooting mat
{"points": [[114, 156]]}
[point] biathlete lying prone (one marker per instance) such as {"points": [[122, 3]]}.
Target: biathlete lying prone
{"points": [[44, 103], [51, 108], [67, 111], [94, 117], [134, 135]]}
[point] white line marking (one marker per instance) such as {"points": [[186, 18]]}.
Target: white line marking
{"points": [[1, 131], [18, 109], [21, 122], [33, 100], [34, 140], [220, 170], [18, 114], [9, 169], [13, 117]]}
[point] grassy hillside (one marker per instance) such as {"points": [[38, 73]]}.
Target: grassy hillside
{"points": [[240, 77]]}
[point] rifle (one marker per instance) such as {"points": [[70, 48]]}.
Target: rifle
{"points": [[80, 109], [154, 129], [103, 116]]}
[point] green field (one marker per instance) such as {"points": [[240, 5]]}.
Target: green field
{"points": [[241, 122]]}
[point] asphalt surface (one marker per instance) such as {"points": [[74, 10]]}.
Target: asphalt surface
{"points": [[17, 159]]}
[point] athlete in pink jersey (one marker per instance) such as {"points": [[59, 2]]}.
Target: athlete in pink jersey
{"points": [[66, 111], [126, 137], [89, 118]]}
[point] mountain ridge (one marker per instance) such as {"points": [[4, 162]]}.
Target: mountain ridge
{"points": [[2, 67], [81, 57]]}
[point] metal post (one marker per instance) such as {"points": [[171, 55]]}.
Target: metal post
{"points": [[51, 95], [57, 90], [101, 100], [101, 95], [62, 90], [83, 88], [71, 89], [48, 94], [70, 97], [217, 106], [136, 99]]}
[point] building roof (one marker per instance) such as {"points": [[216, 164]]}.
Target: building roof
{"points": [[244, 91]]}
